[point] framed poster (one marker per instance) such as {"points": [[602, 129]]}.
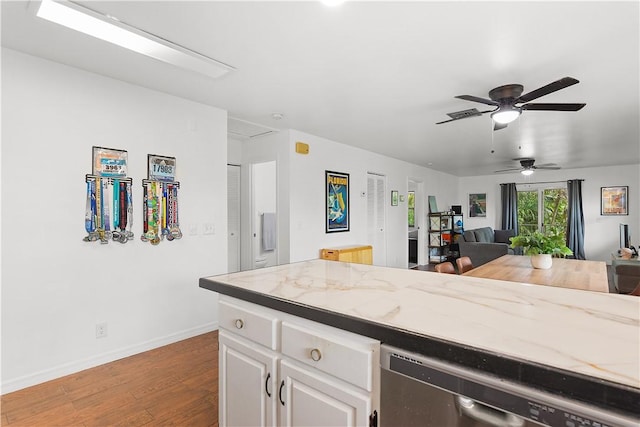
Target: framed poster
{"points": [[478, 205], [337, 201], [614, 200], [109, 162], [394, 197], [161, 168]]}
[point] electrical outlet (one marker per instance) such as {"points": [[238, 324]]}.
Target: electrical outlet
{"points": [[101, 330], [209, 228]]}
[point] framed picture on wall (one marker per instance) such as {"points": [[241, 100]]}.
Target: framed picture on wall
{"points": [[337, 201], [614, 200], [394, 197], [478, 205], [109, 162]]}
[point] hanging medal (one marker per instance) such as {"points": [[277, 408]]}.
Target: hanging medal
{"points": [[145, 210], [89, 213], [129, 211], [175, 227], [100, 211], [107, 195], [115, 211], [153, 221]]}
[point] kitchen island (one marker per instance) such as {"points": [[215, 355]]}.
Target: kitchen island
{"points": [[577, 344]]}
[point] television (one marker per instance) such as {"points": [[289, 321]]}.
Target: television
{"points": [[624, 236]]}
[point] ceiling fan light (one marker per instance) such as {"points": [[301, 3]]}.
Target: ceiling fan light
{"points": [[526, 172], [505, 115]]}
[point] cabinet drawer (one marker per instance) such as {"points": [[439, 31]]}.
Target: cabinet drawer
{"points": [[349, 358], [250, 321]]}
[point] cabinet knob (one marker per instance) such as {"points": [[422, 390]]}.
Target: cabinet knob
{"points": [[239, 323], [315, 355]]}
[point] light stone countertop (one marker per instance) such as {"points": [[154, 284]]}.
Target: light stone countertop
{"points": [[584, 332]]}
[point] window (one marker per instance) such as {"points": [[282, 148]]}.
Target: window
{"points": [[542, 209], [411, 201]]}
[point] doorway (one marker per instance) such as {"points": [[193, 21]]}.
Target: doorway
{"points": [[376, 217], [233, 218], [264, 241]]}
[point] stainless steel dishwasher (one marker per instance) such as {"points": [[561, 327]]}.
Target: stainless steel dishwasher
{"points": [[420, 391]]}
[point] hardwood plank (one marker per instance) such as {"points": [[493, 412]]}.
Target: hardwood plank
{"points": [[171, 385]]}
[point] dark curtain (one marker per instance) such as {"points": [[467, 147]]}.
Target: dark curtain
{"points": [[575, 218], [509, 197]]}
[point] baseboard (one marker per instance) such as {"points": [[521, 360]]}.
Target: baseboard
{"points": [[80, 365]]}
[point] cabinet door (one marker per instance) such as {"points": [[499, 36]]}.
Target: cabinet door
{"points": [[310, 398], [247, 382]]}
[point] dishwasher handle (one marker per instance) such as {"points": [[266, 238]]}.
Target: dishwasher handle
{"points": [[493, 417]]}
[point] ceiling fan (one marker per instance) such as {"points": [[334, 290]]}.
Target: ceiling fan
{"points": [[510, 102], [527, 166]]}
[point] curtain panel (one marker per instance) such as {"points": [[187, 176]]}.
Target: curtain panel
{"points": [[575, 218], [509, 197]]}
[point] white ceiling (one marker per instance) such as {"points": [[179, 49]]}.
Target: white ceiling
{"points": [[379, 75]]}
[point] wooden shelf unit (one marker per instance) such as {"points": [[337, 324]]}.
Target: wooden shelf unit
{"points": [[443, 230]]}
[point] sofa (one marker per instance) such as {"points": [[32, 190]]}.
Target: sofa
{"points": [[484, 244], [626, 275]]}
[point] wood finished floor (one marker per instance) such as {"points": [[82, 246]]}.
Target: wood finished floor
{"points": [[172, 385]]}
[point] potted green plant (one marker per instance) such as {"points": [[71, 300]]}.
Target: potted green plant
{"points": [[541, 246]]}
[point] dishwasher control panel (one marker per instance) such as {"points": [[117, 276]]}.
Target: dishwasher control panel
{"points": [[480, 394]]}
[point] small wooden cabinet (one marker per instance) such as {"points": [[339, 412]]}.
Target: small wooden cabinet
{"points": [[357, 254], [281, 370]]}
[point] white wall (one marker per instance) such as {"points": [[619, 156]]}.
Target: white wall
{"points": [[307, 196], [601, 232], [55, 287]]}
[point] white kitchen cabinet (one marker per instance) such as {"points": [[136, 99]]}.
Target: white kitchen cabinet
{"points": [[310, 398], [278, 369], [246, 383]]}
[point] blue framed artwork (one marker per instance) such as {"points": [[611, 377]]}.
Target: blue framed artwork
{"points": [[337, 201]]}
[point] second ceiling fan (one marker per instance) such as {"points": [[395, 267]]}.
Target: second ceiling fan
{"points": [[509, 102]]}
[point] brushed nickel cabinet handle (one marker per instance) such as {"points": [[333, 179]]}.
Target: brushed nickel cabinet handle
{"points": [[315, 354], [239, 323]]}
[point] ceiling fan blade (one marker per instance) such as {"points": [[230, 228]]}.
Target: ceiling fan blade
{"points": [[547, 167], [545, 90], [498, 126], [552, 107], [477, 99], [465, 114], [508, 170], [450, 120]]}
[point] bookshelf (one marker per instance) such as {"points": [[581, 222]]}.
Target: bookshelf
{"points": [[444, 227]]}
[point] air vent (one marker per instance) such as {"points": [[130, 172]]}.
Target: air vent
{"points": [[465, 113], [244, 129]]}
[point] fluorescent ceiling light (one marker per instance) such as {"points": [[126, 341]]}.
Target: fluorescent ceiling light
{"points": [[113, 31], [526, 172], [505, 115]]}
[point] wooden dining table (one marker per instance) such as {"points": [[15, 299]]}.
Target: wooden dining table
{"points": [[564, 273]]}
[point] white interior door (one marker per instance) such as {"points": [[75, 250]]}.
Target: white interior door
{"points": [[376, 217], [233, 218]]}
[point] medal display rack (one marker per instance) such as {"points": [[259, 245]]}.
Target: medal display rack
{"points": [[160, 211], [109, 209]]}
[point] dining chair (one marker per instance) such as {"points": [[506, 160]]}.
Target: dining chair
{"points": [[445, 267], [464, 264]]}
